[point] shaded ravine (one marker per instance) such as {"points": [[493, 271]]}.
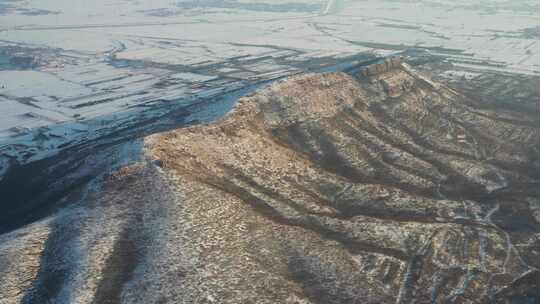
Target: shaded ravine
{"points": [[35, 190]]}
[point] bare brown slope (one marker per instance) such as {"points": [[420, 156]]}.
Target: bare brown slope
{"points": [[380, 187], [426, 197]]}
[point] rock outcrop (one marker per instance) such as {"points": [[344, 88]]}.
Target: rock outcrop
{"points": [[380, 187]]}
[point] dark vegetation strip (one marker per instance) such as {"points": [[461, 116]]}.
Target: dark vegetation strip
{"points": [[308, 222], [455, 185], [384, 169]]}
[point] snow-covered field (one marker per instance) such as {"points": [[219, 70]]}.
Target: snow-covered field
{"points": [[94, 62]]}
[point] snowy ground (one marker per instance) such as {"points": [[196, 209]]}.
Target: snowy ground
{"points": [[100, 64]]}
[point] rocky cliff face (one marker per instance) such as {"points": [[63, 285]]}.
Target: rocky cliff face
{"points": [[379, 186]]}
